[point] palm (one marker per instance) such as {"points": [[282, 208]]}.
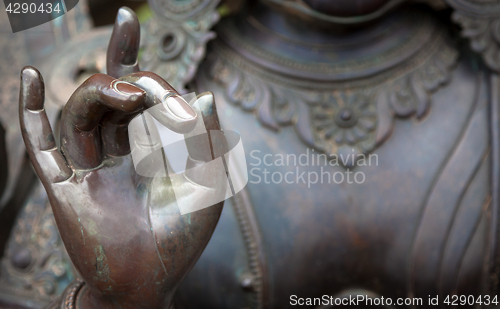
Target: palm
{"points": [[123, 230]]}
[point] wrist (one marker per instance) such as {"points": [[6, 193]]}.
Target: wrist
{"points": [[68, 297]]}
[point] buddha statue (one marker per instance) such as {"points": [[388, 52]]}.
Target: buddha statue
{"points": [[370, 129]]}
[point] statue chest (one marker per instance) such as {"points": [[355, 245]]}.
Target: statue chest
{"points": [[373, 209]]}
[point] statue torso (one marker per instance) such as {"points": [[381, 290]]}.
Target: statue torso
{"points": [[416, 226]]}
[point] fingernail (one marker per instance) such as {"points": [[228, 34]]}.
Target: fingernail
{"points": [[179, 107], [127, 89]]}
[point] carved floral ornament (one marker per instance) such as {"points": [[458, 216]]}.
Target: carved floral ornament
{"points": [[480, 22], [36, 267], [173, 46], [347, 120]]}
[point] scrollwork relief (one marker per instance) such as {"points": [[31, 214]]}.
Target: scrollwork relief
{"points": [[36, 268], [173, 47], [346, 118], [480, 22]]}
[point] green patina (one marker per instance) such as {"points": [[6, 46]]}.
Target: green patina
{"points": [[101, 263]]}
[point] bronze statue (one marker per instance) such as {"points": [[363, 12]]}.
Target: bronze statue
{"points": [[381, 90]]}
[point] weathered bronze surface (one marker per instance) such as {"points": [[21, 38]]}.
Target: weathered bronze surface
{"points": [[401, 88], [129, 242], [387, 79], [27, 227]]}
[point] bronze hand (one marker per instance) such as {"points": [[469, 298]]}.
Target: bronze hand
{"points": [[123, 231]]}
